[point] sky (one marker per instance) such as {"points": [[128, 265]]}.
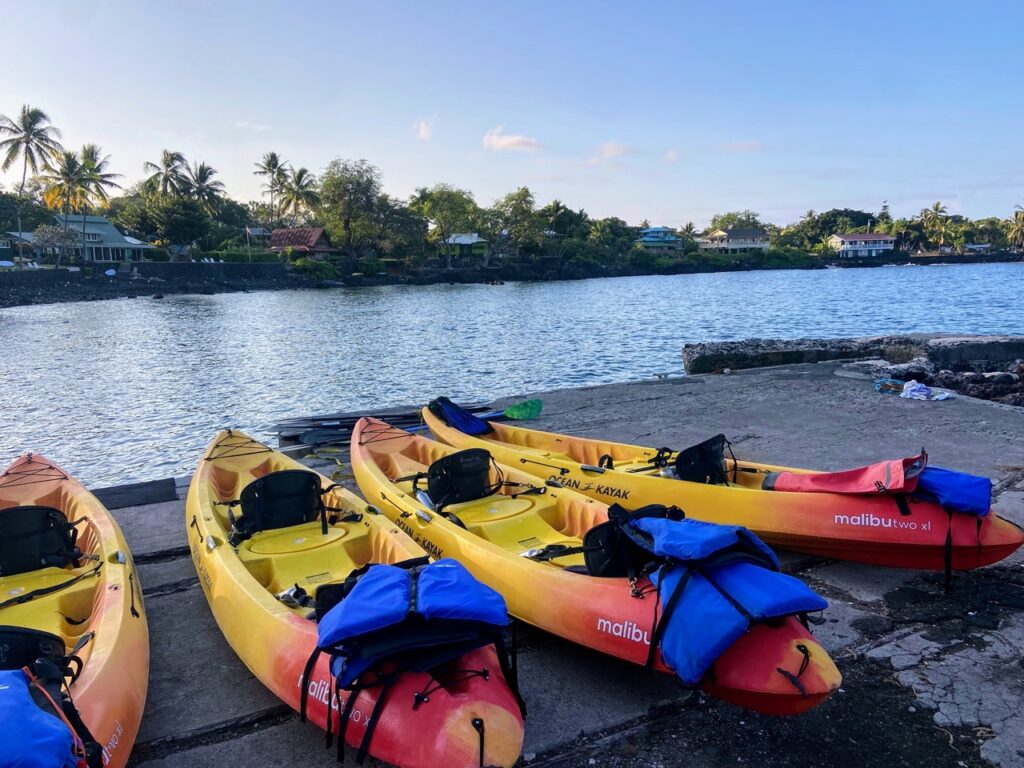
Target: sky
{"points": [[666, 111]]}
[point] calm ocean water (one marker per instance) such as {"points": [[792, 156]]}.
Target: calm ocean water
{"points": [[133, 389]]}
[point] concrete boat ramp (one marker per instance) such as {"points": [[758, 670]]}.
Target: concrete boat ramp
{"points": [[929, 679]]}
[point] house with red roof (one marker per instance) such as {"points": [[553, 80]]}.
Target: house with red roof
{"points": [[312, 242]]}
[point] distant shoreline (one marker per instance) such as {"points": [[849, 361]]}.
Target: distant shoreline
{"points": [[27, 288]]}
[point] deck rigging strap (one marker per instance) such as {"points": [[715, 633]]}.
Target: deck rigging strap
{"points": [[234, 446], [39, 473]]}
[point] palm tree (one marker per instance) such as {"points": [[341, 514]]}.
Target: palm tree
{"points": [[1016, 229], [933, 214], [203, 188], [690, 230], [809, 215], [168, 176], [34, 139], [298, 193], [556, 212], [275, 169], [100, 180], [599, 231], [67, 185]]}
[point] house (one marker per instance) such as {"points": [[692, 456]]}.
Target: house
{"points": [[659, 240], [467, 245], [6, 247], [978, 247], [862, 245], [307, 241], [735, 240], [98, 240]]}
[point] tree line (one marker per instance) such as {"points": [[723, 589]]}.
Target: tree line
{"points": [[178, 202]]}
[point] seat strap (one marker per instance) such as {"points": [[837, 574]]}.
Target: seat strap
{"points": [[371, 724], [43, 591], [553, 551], [307, 673]]}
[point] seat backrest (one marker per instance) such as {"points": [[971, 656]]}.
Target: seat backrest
{"points": [[704, 462], [34, 537], [279, 500], [21, 646], [460, 477]]}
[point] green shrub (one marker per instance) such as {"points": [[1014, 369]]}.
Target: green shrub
{"points": [[158, 254], [318, 270]]}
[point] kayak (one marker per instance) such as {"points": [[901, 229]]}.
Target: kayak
{"points": [[248, 583], [864, 528], [490, 535], [91, 607]]}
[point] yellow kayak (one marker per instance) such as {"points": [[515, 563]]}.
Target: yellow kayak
{"points": [[247, 582], [866, 528], [89, 607]]}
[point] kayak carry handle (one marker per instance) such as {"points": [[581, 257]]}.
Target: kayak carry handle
{"points": [[592, 468]]}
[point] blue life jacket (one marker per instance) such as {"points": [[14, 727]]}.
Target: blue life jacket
{"points": [[398, 599], [406, 617], [458, 417], [714, 582], [956, 491], [31, 738]]}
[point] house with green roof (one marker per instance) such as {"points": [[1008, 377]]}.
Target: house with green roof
{"points": [[98, 240]]}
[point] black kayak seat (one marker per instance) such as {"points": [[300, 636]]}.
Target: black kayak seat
{"points": [[35, 537]]}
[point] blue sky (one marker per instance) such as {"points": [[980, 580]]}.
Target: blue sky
{"points": [[667, 111]]}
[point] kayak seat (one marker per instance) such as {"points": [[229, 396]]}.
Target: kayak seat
{"points": [[35, 537], [704, 462], [279, 499], [23, 645]]}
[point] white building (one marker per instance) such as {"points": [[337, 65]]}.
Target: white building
{"points": [[862, 245], [735, 240]]}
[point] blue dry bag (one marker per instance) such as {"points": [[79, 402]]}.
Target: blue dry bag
{"points": [[956, 491]]}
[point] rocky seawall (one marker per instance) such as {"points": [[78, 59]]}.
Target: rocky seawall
{"points": [[48, 286], [989, 367]]}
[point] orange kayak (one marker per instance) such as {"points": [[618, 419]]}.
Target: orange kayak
{"points": [[101, 614], [600, 613], [861, 528]]}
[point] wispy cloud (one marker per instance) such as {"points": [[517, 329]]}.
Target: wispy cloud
{"points": [[738, 147], [496, 140], [608, 152], [254, 127], [671, 156], [424, 127]]}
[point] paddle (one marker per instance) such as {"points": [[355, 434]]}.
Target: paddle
{"points": [[326, 435]]}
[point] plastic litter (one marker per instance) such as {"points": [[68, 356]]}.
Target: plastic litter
{"points": [[915, 390]]}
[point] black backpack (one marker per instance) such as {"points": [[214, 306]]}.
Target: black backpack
{"points": [[34, 537]]}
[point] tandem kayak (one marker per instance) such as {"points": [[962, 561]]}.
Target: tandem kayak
{"points": [[877, 528], [491, 535], [70, 594], [258, 579]]}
